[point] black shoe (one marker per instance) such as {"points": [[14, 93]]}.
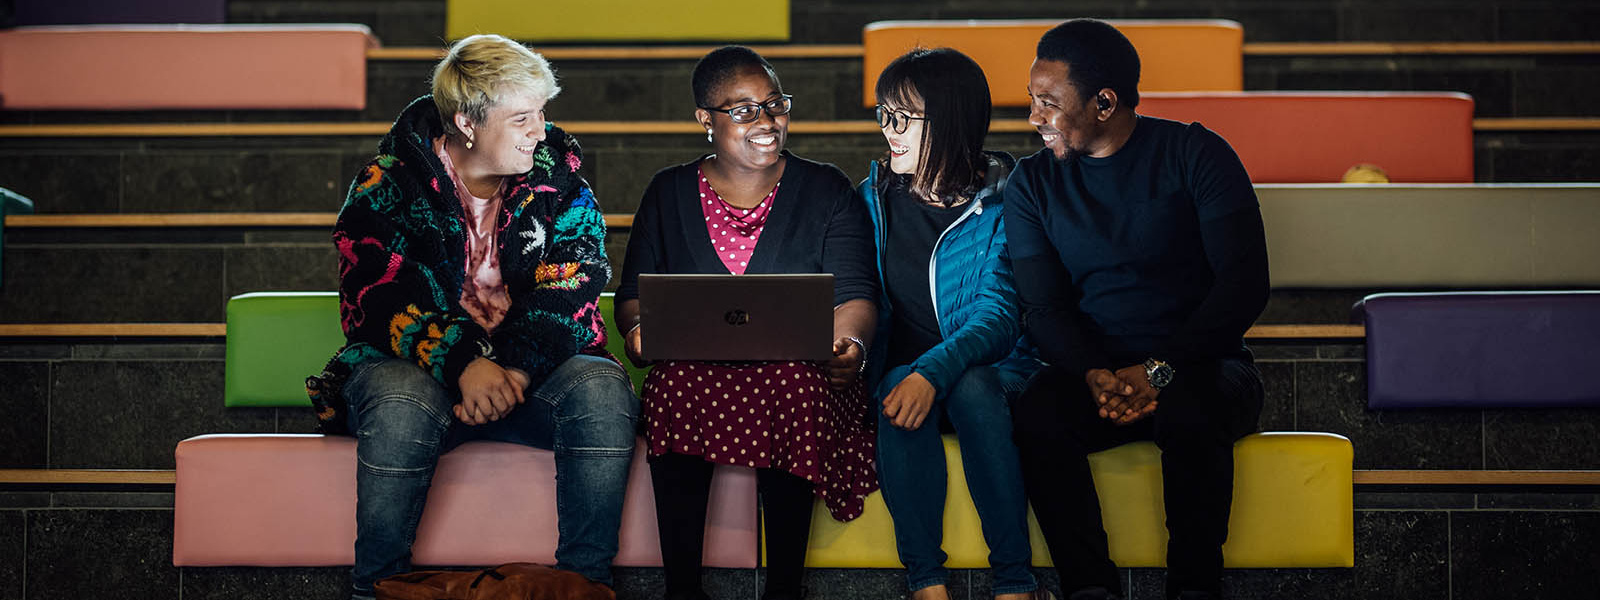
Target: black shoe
{"points": [[1093, 593]]}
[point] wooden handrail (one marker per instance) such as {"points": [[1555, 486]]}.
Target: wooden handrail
{"points": [[1297, 332], [91, 476], [135, 220], [1362, 477], [372, 128], [1538, 124], [429, 54], [23, 330], [1416, 48], [424, 53], [139, 330], [113, 130], [121, 220], [1471, 477]]}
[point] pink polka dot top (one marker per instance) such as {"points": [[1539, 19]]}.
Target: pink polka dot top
{"points": [[733, 230]]}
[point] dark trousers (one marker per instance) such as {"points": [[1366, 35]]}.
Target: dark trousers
{"points": [[1209, 405], [683, 487]]}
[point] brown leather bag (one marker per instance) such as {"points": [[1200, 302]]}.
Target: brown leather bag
{"points": [[511, 581]]}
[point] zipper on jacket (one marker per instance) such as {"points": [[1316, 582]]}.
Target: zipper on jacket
{"points": [[878, 226], [933, 260]]}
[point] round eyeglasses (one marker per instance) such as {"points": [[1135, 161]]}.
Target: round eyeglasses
{"points": [[899, 120], [748, 113]]}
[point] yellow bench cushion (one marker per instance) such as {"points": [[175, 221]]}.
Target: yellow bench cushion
{"points": [[1292, 507], [621, 20], [1174, 55]]}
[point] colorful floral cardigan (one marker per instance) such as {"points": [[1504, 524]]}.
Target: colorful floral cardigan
{"points": [[402, 258]]}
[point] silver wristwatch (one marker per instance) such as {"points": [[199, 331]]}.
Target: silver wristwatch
{"points": [[1159, 373]]}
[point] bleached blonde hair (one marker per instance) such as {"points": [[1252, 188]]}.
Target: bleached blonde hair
{"points": [[478, 68]]}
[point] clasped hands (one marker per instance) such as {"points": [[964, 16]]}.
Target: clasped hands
{"points": [[1125, 395], [489, 391]]}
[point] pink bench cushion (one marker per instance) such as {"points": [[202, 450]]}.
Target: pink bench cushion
{"points": [[1314, 137], [199, 67], [289, 500]]}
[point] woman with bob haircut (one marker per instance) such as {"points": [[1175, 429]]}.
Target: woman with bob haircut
{"points": [[471, 259], [753, 207], [949, 336]]}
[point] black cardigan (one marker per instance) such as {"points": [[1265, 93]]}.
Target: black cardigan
{"points": [[817, 224]]}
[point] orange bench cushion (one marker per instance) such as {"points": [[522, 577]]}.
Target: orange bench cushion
{"points": [[1175, 55], [198, 67], [290, 500], [1314, 137]]}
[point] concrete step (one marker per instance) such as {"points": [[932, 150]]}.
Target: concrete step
{"points": [[310, 172], [186, 274]]}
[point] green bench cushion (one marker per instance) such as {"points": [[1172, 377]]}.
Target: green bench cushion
{"points": [[277, 339]]}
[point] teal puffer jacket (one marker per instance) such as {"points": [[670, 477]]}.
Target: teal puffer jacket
{"points": [[974, 295]]}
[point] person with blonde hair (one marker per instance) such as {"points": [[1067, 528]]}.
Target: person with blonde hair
{"points": [[471, 260]]}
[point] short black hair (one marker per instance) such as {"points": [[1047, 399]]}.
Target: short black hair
{"points": [[721, 65], [1098, 57], [950, 90]]}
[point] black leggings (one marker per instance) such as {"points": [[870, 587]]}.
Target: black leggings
{"points": [[683, 487]]}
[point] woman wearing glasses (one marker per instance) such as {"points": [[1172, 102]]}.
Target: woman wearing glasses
{"points": [[949, 338], [752, 207]]}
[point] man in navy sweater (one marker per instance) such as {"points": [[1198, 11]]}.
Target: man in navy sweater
{"points": [[1140, 261]]}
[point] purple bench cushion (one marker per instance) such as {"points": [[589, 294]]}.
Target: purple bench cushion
{"points": [[1483, 349], [102, 12]]}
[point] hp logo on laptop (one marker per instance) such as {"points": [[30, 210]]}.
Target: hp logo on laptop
{"points": [[736, 317]]}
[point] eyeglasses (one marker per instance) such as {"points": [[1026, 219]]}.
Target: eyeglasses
{"points": [[898, 119], [748, 113]]}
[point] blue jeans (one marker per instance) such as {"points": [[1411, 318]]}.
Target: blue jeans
{"points": [[911, 469], [585, 411]]}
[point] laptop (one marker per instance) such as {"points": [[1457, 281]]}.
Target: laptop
{"points": [[736, 317]]}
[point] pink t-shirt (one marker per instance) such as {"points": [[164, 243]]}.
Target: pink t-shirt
{"points": [[734, 230], [483, 292]]}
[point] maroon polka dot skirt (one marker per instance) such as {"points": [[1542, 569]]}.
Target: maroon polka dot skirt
{"points": [[767, 415]]}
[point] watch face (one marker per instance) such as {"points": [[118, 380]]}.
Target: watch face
{"points": [[1161, 376]]}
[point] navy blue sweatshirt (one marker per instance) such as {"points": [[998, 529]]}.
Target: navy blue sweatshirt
{"points": [[1157, 251]]}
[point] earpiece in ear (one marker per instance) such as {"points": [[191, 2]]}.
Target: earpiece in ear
{"points": [[1102, 102]]}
